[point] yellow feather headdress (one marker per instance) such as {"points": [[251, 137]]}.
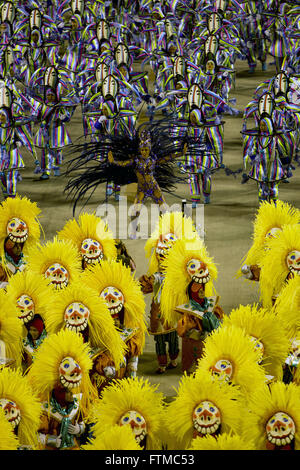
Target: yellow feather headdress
{"points": [[116, 274], [274, 268], [191, 392], [263, 404], [36, 287], [21, 208], [55, 251], [16, 387], [287, 307], [232, 344], [89, 226], [102, 331], [130, 394], [265, 327], [8, 439], [44, 372], [113, 438], [226, 441], [170, 222], [10, 330], [269, 215], [177, 279]]}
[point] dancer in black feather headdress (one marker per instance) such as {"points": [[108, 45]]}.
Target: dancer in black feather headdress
{"points": [[148, 158]]}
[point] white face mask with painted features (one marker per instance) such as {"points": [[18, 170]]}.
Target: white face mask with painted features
{"points": [[137, 423], [70, 374], [76, 317], [17, 230], [91, 251], [25, 306], [293, 262], [198, 271], [57, 276], [114, 300], [11, 411], [280, 429], [206, 418]]}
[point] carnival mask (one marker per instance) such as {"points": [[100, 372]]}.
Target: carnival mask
{"points": [[222, 369], [211, 45], [221, 5], [51, 77], [195, 96], [35, 19], [214, 22], [114, 299], [57, 275], [11, 411], [17, 230], [103, 30], [206, 418], [265, 105], [70, 374], [164, 243], [281, 84], [5, 97], [280, 429], [198, 271], [258, 347], [76, 317], [122, 54], [137, 423], [25, 307], [91, 251], [77, 7], [179, 67], [101, 72], [8, 12], [169, 29], [110, 87], [293, 262]]}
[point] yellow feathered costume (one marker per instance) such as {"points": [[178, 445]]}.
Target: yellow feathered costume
{"points": [[89, 226], [8, 440], [192, 391], [115, 274], [177, 278], [269, 216], [102, 332], [44, 373], [16, 388], [130, 394], [287, 307], [263, 326], [230, 343], [25, 210], [226, 441], [10, 332], [113, 438], [274, 267], [62, 252], [266, 402]]}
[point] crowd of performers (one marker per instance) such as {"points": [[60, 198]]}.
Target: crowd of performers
{"points": [[74, 322], [73, 319], [96, 58]]}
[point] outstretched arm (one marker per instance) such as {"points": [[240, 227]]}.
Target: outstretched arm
{"points": [[113, 161]]}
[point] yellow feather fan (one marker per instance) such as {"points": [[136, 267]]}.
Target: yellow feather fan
{"points": [[60, 252], [263, 326], [25, 210], [192, 391], [264, 403], [113, 438], [89, 226], [230, 343], [274, 266], [8, 440], [177, 278], [101, 329], [287, 307], [44, 372], [115, 274], [270, 215], [226, 441], [10, 331], [174, 223], [130, 394], [33, 286], [16, 388]]}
